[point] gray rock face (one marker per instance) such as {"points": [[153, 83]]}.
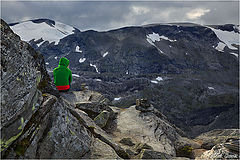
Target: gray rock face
{"points": [[127, 141], [102, 119], [20, 75], [34, 125], [94, 108], [59, 135], [149, 129], [217, 136], [101, 150], [219, 152], [22, 69]]}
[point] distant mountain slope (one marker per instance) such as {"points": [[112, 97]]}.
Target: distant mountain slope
{"points": [[157, 48], [42, 30]]}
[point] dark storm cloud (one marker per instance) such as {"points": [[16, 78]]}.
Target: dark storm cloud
{"points": [[110, 15]]}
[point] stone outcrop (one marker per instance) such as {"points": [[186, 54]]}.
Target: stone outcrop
{"points": [[217, 136], [219, 152], [147, 128], [36, 121], [219, 143], [102, 119], [127, 141]]}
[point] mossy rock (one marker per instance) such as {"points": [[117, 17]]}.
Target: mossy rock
{"points": [[21, 146], [127, 141], [140, 146], [130, 152], [185, 151], [102, 118]]}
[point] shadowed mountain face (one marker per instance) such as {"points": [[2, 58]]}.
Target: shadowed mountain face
{"points": [[189, 72]]}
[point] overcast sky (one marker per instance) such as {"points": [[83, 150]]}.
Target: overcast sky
{"points": [[102, 16]]}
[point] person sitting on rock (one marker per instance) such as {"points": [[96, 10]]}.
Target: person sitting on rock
{"points": [[62, 75]]}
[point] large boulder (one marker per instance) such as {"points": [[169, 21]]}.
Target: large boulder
{"points": [[51, 132], [100, 150], [97, 132], [127, 141], [147, 127], [61, 135], [217, 136], [94, 104], [102, 119], [219, 152], [75, 97], [93, 109], [140, 146]]}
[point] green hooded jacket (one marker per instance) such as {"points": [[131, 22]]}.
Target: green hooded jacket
{"points": [[62, 75]]}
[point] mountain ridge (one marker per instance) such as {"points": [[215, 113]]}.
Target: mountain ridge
{"points": [[40, 20]]}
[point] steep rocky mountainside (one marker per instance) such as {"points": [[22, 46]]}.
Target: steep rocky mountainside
{"points": [[189, 72]]}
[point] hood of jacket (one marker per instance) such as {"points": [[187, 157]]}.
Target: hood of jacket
{"points": [[64, 62]]}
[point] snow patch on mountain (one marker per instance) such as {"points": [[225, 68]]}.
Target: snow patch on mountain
{"points": [[81, 60], [75, 75], [39, 44], [78, 49], [159, 79], [117, 99], [210, 88], [234, 54], [98, 80], [29, 30], [153, 81], [166, 38], [160, 50], [92, 65], [220, 47], [105, 54], [151, 38], [227, 37]]}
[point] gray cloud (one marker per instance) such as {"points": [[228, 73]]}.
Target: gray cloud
{"points": [[110, 15]]}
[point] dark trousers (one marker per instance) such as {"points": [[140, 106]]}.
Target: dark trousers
{"points": [[63, 90]]}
